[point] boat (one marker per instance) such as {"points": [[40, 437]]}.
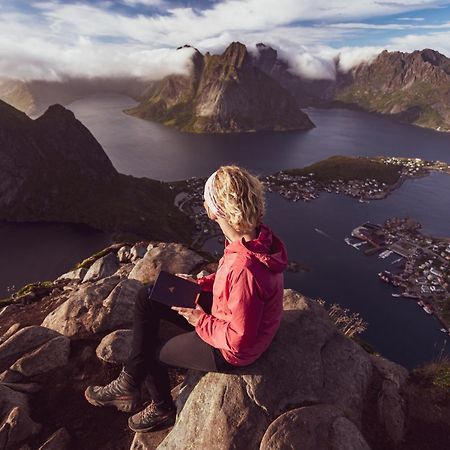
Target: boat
{"points": [[427, 309], [396, 295]]}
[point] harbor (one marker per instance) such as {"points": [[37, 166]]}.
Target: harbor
{"points": [[421, 269]]}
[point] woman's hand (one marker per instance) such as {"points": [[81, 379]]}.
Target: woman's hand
{"points": [[192, 315]]}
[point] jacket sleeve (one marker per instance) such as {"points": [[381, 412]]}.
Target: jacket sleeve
{"points": [[246, 307], [207, 282]]}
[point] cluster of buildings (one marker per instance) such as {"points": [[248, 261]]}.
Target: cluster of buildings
{"points": [[424, 270], [307, 187], [414, 166]]}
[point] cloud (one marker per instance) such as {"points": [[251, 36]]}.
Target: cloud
{"points": [[418, 19], [439, 41], [81, 39]]}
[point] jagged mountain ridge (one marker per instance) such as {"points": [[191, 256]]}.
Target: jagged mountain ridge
{"points": [[53, 169], [224, 93], [412, 87]]}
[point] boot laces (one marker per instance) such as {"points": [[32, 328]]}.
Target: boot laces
{"points": [[149, 412], [116, 386]]}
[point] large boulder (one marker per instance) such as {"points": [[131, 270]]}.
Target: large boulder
{"points": [[171, 257], [49, 356], [23, 341], [75, 317], [103, 267], [391, 409], [117, 309], [16, 424], [312, 428], [115, 347], [308, 363]]}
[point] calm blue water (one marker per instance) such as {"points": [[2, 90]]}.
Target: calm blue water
{"points": [[399, 329]]}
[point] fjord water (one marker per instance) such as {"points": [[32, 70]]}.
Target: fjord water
{"points": [[399, 329]]}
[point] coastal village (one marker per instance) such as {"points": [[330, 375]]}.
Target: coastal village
{"points": [[422, 270], [295, 187]]}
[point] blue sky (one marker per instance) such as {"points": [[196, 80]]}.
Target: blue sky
{"points": [[55, 38]]}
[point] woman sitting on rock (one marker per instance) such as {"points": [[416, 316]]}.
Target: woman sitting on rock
{"points": [[247, 301]]}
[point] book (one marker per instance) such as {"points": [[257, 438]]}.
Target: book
{"points": [[175, 291]]}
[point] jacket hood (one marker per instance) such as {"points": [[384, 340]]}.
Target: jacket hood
{"points": [[266, 248]]}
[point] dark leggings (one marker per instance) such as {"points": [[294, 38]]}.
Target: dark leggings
{"points": [[150, 358]]}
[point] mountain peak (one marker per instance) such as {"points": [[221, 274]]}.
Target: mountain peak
{"points": [[236, 53], [58, 112]]}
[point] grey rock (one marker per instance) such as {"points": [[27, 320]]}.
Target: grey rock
{"points": [[9, 332], [77, 314], [49, 356], [26, 388], [16, 426], [172, 257], [103, 267], [115, 347], [74, 275], [391, 405], [23, 341], [312, 428], [308, 362], [59, 440], [118, 308], [10, 376], [138, 251], [123, 254]]}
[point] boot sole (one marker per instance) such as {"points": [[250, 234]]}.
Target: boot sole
{"points": [[167, 422], [122, 405]]}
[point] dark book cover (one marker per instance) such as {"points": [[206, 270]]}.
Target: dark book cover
{"points": [[175, 291]]}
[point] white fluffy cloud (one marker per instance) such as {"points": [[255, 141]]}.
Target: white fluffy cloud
{"points": [[78, 39]]}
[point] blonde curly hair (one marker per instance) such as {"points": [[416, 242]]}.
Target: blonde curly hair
{"points": [[240, 196]]}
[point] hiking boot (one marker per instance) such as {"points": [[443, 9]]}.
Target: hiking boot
{"points": [[123, 393], [155, 415]]}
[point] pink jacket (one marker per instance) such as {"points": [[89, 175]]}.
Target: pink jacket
{"points": [[247, 298]]}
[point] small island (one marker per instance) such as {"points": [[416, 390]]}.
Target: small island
{"points": [[422, 271], [363, 178]]}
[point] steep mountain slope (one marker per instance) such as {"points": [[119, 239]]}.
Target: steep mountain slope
{"points": [[224, 93], [414, 87], [53, 169]]}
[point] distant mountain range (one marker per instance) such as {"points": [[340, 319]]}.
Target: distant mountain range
{"points": [[411, 87], [242, 91], [53, 169]]}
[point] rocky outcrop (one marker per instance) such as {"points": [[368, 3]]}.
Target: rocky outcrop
{"points": [[53, 169], [312, 363], [224, 93], [313, 388]]}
